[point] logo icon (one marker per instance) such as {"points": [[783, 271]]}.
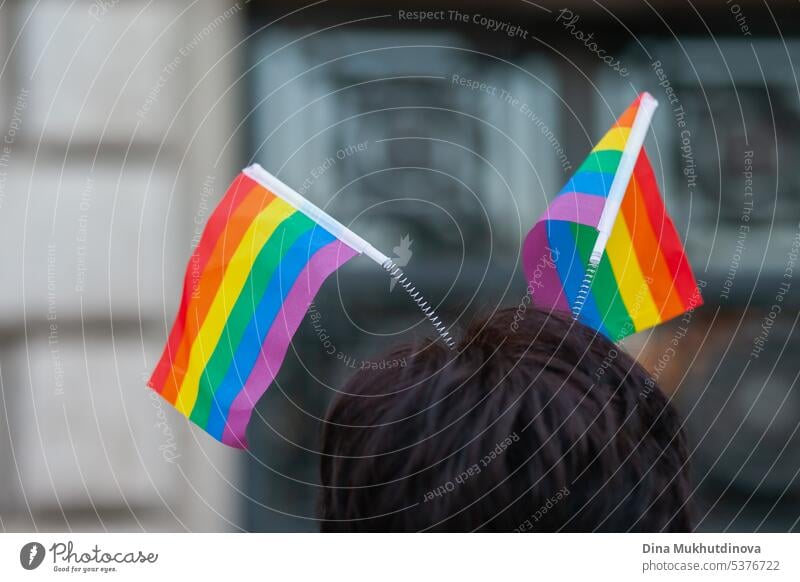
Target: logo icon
{"points": [[31, 555], [402, 256]]}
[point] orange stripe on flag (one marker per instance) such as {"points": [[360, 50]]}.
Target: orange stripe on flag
{"points": [[209, 280], [235, 195], [669, 241], [627, 118], [648, 253], [632, 287]]}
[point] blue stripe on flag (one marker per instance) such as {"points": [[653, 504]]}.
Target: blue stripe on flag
{"points": [[593, 183], [571, 270], [267, 310]]}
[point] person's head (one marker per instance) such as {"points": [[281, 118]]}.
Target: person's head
{"points": [[534, 423]]}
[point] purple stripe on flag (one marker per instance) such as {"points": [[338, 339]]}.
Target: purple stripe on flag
{"points": [[276, 344], [541, 271], [576, 207]]}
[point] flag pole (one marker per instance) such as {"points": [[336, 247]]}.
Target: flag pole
{"points": [[638, 133], [351, 239]]}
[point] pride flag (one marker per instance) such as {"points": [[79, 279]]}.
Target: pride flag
{"points": [[606, 249], [260, 261]]}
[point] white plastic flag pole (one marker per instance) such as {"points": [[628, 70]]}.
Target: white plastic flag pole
{"points": [[616, 193], [351, 239]]}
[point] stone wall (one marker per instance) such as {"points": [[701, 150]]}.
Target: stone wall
{"points": [[116, 122]]}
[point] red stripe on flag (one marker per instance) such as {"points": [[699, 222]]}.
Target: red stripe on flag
{"points": [[627, 118], [235, 195], [210, 280], [668, 239], [646, 246]]}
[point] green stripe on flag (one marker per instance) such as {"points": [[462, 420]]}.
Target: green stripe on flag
{"points": [[616, 320], [265, 265], [604, 161]]}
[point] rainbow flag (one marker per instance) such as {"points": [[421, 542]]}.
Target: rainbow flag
{"points": [[641, 275], [261, 259]]}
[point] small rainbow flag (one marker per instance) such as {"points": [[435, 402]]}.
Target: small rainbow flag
{"points": [[606, 249], [261, 259]]}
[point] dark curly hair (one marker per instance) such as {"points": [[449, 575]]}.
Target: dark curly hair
{"points": [[534, 423]]}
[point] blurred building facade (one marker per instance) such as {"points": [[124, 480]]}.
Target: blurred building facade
{"points": [[439, 141], [114, 120], [486, 110]]}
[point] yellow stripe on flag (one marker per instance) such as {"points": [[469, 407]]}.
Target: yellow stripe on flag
{"points": [[258, 233], [615, 139], [633, 287]]}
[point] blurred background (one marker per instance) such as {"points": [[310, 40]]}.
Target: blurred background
{"points": [[441, 141]]}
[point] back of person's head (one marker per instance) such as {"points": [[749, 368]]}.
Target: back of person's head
{"points": [[534, 423]]}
